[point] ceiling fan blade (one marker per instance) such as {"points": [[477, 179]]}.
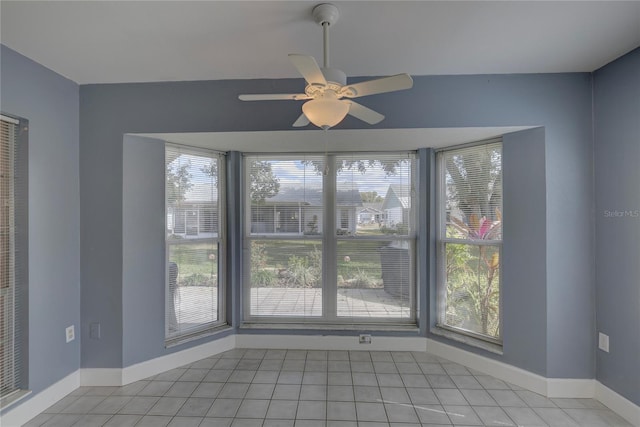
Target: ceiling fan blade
{"points": [[308, 67], [302, 121], [365, 114], [273, 96], [373, 87]]}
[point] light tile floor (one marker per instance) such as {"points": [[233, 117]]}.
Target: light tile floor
{"points": [[295, 388]]}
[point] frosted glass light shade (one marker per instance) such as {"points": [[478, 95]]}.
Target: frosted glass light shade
{"points": [[325, 113]]}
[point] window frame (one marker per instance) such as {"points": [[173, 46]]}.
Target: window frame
{"points": [[206, 329], [248, 236], [468, 336], [331, 217], [18, 259]]}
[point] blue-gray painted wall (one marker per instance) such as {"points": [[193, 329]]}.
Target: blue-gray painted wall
{"points": [[143, 249], [143, 252], [524, 267], [51, 103], [561, 103], [617, 188]]}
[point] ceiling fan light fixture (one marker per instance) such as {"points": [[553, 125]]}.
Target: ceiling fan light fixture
{"points": [[326, 86], [325, 112]]}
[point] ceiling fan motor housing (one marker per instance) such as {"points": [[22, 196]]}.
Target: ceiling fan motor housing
{"points": [[326, 13]]}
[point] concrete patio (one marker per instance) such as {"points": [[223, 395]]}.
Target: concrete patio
{"points": [[195, 304]]}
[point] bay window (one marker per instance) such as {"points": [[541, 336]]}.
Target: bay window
{"points": [[469, 239], [194, 291], [330, 238]]}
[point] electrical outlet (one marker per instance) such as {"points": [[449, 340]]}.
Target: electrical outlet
{"points": [[94, 331], [70, 333], [603, 342], [364, 339]]}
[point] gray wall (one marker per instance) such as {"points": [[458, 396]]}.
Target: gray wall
{"points": [[50, 103], [524, 268], [559, 102], [617, 188], [143, 252]]}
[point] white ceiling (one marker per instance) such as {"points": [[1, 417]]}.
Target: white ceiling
{"points": [[136, 41]]}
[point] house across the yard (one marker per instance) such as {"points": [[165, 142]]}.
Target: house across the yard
{"points": [[297, 210], [396, 205]]}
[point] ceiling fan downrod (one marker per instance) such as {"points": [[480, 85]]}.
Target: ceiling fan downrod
{"points": [[326, 14]]}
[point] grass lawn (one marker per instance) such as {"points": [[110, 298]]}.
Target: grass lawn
{"points": [[196, 258], [352, 255]]}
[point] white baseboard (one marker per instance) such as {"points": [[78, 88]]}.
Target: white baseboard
{"points": [[617, 403], [161, 364], [324, 342], [502, 371], [100, 377], [38, 402], [550, 387], [571, 387], [148, 368]]}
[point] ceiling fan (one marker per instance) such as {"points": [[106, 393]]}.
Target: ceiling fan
{"points": [[328, 96]]}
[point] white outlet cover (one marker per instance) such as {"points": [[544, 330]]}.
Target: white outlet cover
{"points": [[70, 333], [603, 342]]}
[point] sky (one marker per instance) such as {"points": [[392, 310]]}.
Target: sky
{"points": [[293, 172]]}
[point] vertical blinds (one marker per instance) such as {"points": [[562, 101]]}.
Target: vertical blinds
{"points": [[194, 206], [10, 358]]}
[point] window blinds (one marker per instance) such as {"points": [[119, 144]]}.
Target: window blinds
{"points": [[285, 207], [10, 346], [470, 238], [374, 232], [194, 228], [330, 237], [472, 191]]}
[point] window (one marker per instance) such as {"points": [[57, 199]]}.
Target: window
{"points": [[13, 215], [194, 190], [330, 238], [470, 239]]}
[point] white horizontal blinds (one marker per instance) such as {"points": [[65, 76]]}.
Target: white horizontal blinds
{"points": [[375, 228], [473, 178], [9, 346], [285, 220], [471, 237], [193, 234]]}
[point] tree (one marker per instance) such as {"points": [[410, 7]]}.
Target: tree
{"points": [[389, 166], [178, 182], [474, 182], [263, 184], [370, 197]]}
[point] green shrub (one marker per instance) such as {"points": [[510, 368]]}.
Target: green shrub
{"points": [[197, 279], [263, 277], [362, 280], [300, 273]]}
